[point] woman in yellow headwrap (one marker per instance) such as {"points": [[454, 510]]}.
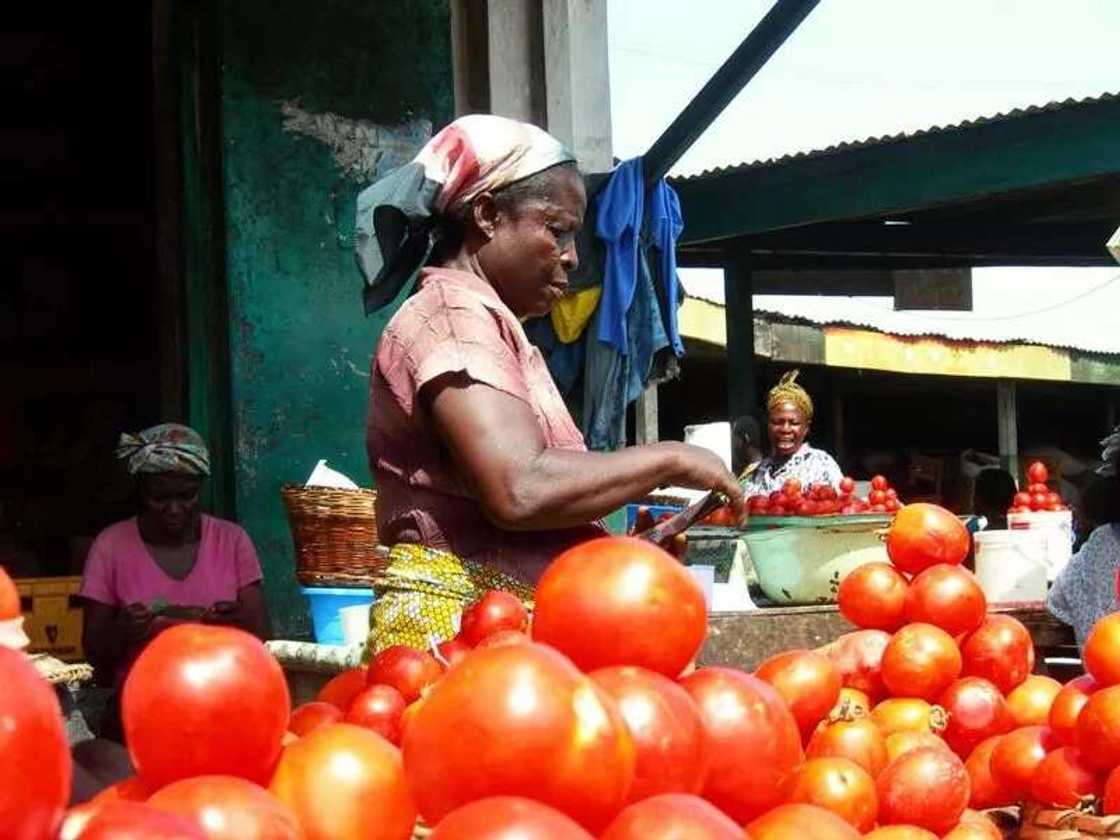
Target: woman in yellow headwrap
{"points": [[789, 414]]}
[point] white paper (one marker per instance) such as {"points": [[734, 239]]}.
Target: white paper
{"points": [[1114, 245], [324, 476]]}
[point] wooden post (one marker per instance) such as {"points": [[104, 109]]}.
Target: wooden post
{"points": [[1007, 414], [1110, 417], [645, 416], [739, 312]]}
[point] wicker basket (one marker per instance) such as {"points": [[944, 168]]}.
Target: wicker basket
{"points": [[1055, 824], [335, 535]]}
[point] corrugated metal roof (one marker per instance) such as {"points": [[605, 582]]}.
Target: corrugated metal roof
{"points": [[1071, 308], [1016, 113]]}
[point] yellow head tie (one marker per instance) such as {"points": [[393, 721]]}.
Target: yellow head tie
{"points": [[788, 391]]}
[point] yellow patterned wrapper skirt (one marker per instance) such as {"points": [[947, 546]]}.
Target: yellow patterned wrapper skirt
{"points": [[422, 592]]}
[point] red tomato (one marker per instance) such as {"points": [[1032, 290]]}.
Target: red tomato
{"points": [[310, 716], [1017, 755], [341, 689], [35, 768], [228, 808], [406, 669], [923, 535], [900, 832], [805, 822], [1111, 804], [791, 488], [204, 700], [896, 714], [496, 610], [851, 704], [1037, 473], [859, 741], [905, 740], [873, 596], [927, 787], [839, 786], [504, 638], [1000, 650], [1053, 500], [847, 485], [672, 746], [507, 818], [621, 601], [1064, 778], [672, 816], [124, 820], [754, 738], [859, 657], [880, 482], [976, 711], [452, 652], [538, 726], [948, 597], [986, 791], [344, 781], [1022, 500], [877, 497], [807, 508], [807, 681], [132, 789], [379, 708], [1030, 702], [920, 661], [1098, 729], [1067, 708], [1038, 501], [980, 829], [1101, 653]]}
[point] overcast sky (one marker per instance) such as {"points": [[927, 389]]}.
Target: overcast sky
{"points": [[854, 69]]}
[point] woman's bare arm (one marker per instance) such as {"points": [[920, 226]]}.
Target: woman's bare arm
{"points": [[522, 484]]}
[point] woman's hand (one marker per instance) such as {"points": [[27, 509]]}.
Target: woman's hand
{"points": [[700, 469], [136, 623]]}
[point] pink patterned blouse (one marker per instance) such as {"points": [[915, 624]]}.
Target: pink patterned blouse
{"points": [[456, 323]]}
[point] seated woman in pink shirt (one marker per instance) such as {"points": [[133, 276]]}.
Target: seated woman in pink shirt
{"points": [[168, 564]]}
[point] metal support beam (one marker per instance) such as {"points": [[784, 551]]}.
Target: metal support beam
{"points": [[645, 417], [750, 56], [739, 312], [1007, 413]]}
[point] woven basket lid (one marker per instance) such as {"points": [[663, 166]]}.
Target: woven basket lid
{"points": [[57, 672]]}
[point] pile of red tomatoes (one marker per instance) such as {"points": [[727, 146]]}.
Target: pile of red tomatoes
{"points": [[826, 500], [1038, 496], [592, 721]]}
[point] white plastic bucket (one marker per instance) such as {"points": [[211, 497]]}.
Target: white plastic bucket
{"points": [[1011, 565], [1056, 528], [706, 577], [355, 624]]}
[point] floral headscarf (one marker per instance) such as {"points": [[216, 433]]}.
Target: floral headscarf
{"points": [[169, 447], [788, 391], [475, 154]]}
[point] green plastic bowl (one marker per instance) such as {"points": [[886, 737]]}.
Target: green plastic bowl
{"points": [[801, 560]]}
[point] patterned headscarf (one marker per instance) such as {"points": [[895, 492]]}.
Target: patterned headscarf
{"points": [[788, 391], [165, 448], [1111, 453], [475, 154]]}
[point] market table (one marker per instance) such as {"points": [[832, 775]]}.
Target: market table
{"points": [[735, 639], [745, 639]]}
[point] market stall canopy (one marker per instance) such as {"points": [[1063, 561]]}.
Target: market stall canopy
{"points": [[1039, 186], [1058, 326]]}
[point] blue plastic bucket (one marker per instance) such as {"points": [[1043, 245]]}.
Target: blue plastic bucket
{"points": [[325, 602]]}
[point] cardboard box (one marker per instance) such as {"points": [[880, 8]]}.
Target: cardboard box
{"points": [[53, 616]]}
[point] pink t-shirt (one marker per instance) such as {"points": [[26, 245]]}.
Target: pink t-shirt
{"points": [[121, 571], [457, 323]]}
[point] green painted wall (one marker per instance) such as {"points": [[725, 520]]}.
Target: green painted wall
{"points": [[299, 343]]}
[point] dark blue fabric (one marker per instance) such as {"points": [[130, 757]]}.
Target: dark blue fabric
{"points": [[663, 226], [620, 207]]}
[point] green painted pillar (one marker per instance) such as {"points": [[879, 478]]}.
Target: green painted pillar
{"points": [[739, 311]]}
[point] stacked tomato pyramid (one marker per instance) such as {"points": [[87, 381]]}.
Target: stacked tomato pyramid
{"points": [[591, 720]]}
